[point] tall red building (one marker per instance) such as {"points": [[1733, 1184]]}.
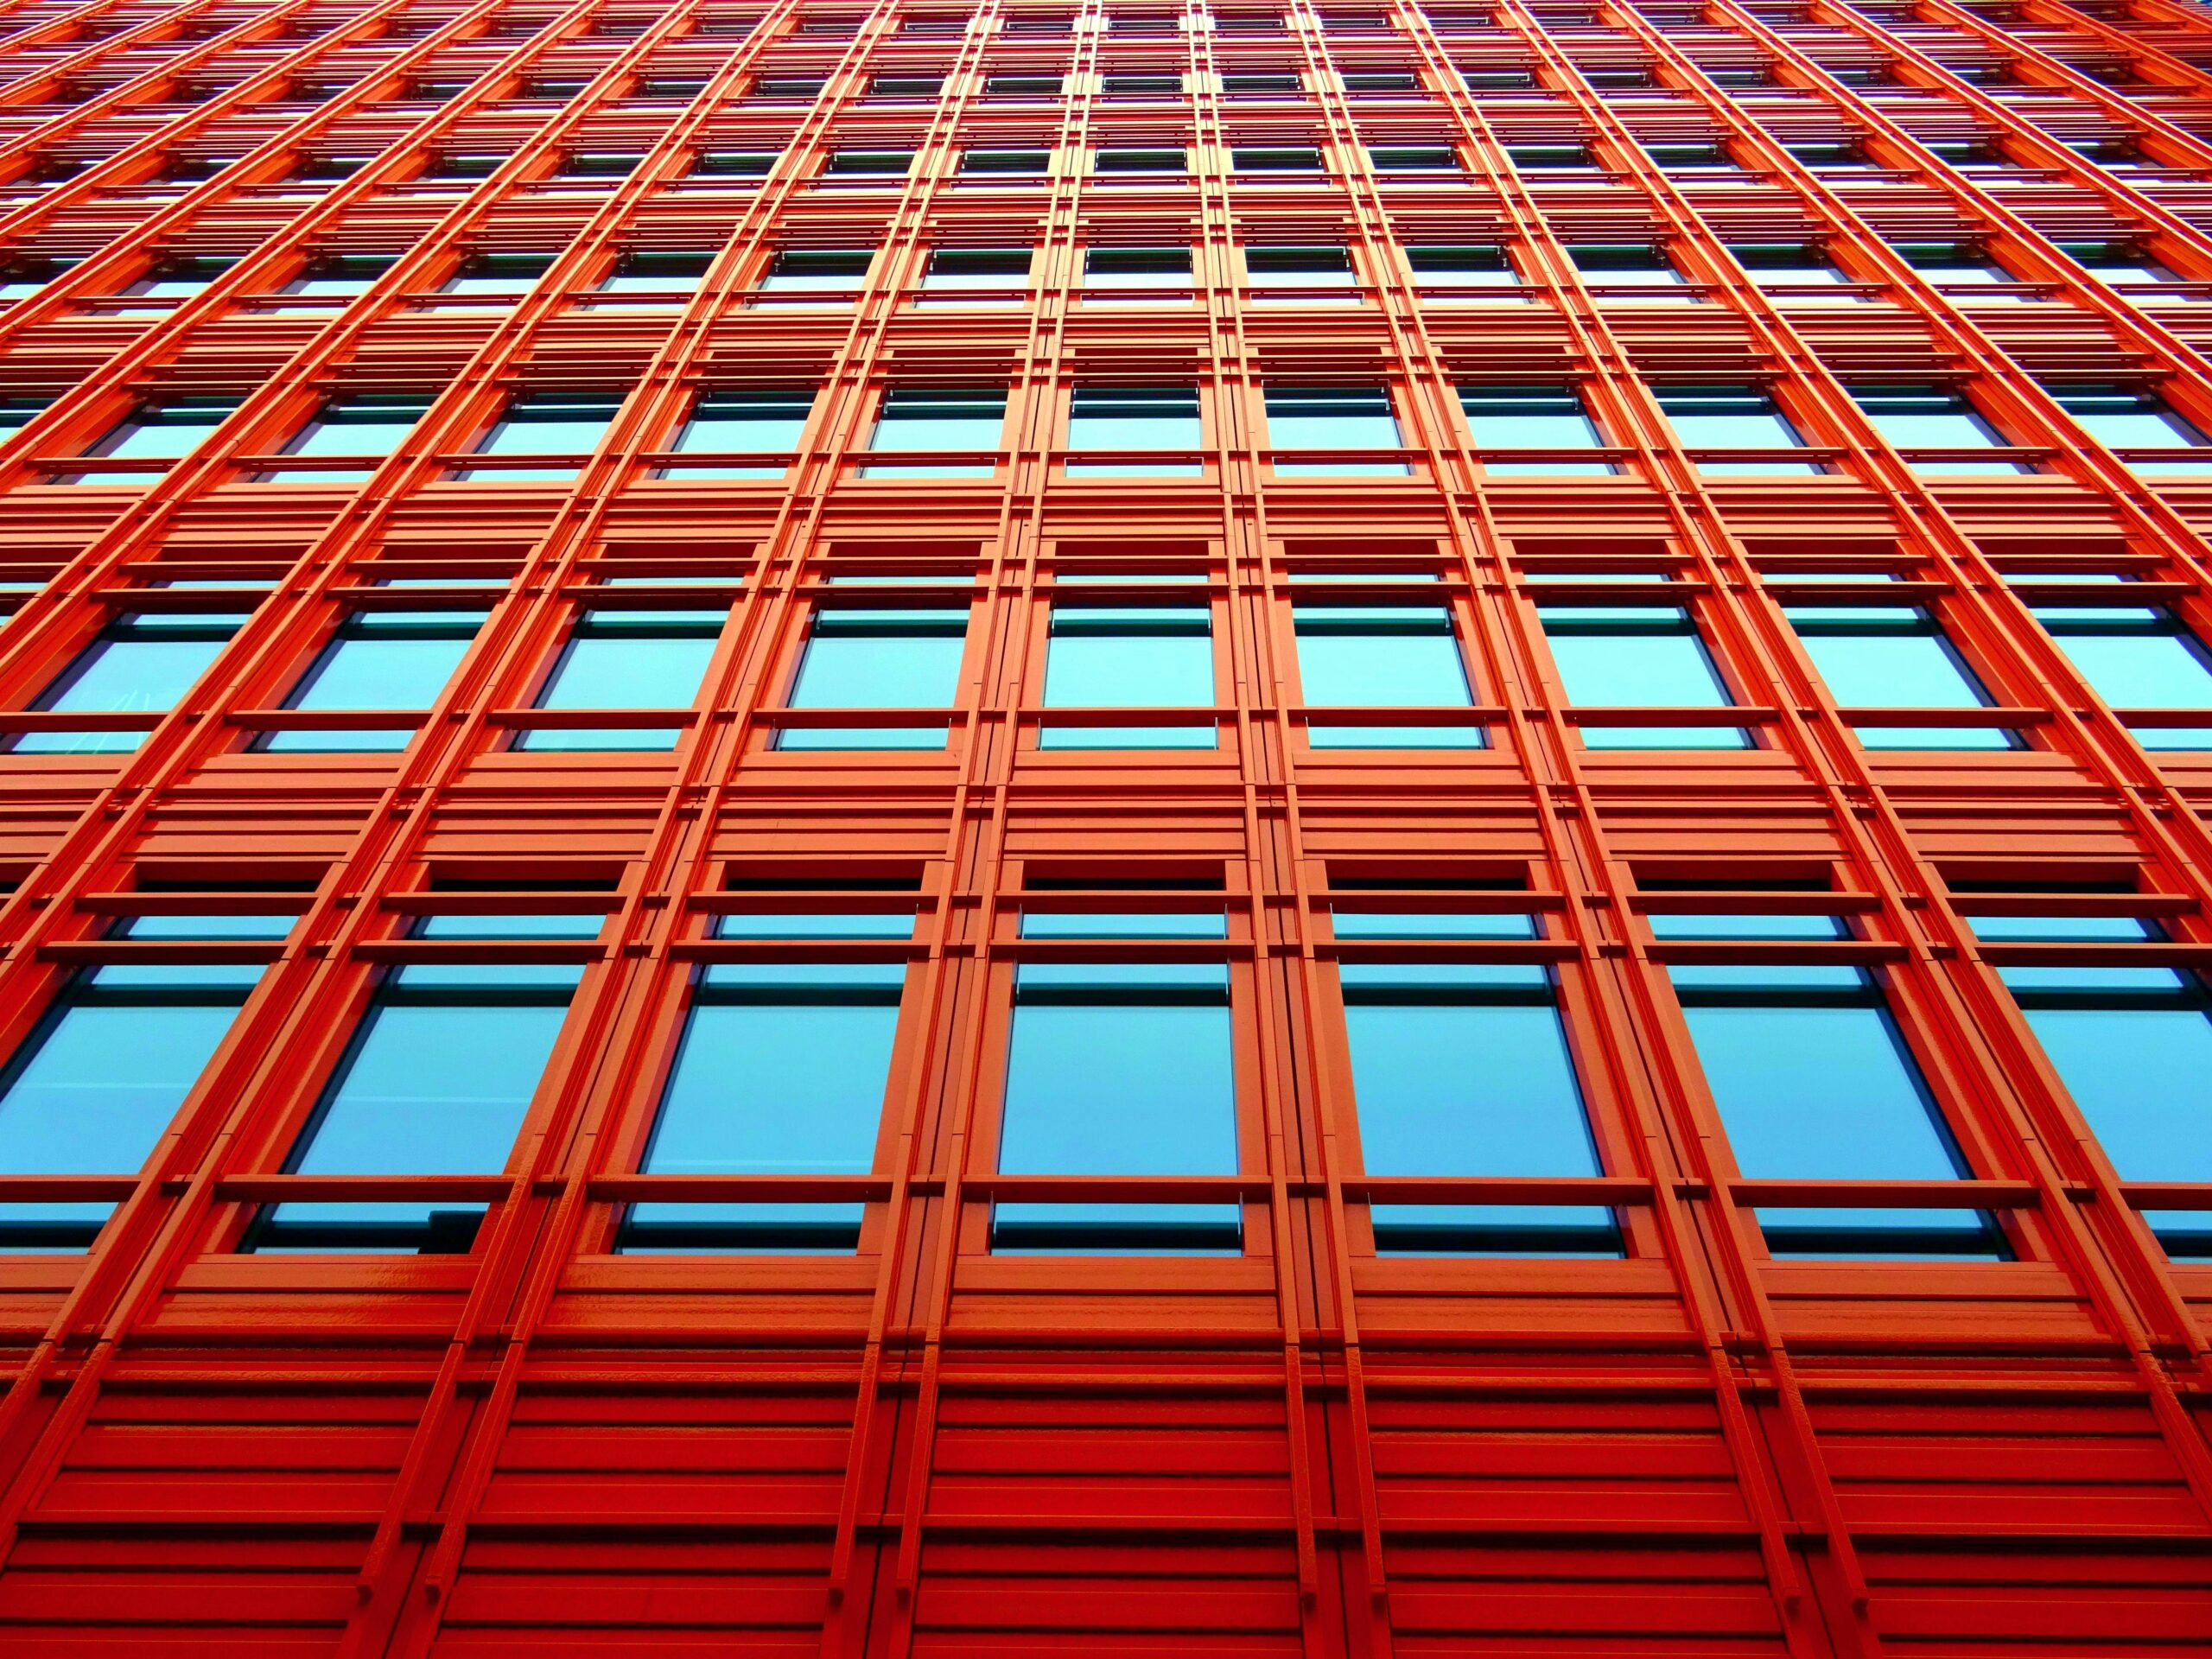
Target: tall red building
{"points": [[1048, 827]]}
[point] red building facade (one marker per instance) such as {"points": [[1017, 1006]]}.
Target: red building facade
{"points": [[1107, 828]]}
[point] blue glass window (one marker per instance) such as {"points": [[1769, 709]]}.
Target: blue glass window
{"points": [[1482, 265], [378, 659], [877, 659], [1895, 657], [1333, 417], [143, 660], [1119, 1069], [157, 433], [920, 420], [1121, 417], [1611, 267], [435, 1081], [2137, 658], [565, 426], [1507, 419], [741, 423], [1732, 417], [1128, 656], [1813, 1082], [2133, 1047], [627, 659], [1934, 417], [1639, 656], [94, 1085], [1462, 1069], [2128, 419], [781, 1071], [369, 427], [1375, 656]]}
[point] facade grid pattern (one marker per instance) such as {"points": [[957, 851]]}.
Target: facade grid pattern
{"points": [[562, 555]]}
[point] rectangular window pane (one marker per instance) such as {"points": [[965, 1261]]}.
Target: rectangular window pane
{"points": [[1638, 655], [1130, 658], [1112, 417], [436, 1081], [627, 659], [925, 420], [381, 659], [1817, 1084], [877, 659], [96, 1083], [1333, 417], [1379, 656], [781, 1071], [742, 423], [142, 661], [1121, 1070], [1891, 657], [1462, 1069]]}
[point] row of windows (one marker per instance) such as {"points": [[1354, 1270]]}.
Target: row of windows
{"points": [[1102, 655], [1121, 1067], [1734, 431]]}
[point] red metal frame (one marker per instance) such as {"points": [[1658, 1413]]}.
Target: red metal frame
{"points": [[545, 1447]]}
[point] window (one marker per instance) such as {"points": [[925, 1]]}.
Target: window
{"points": [[1781, 267], [2127, 419], [735, 163], [1119, 1069], [626, 659], [923, 88], [93, 1086], [154, 432], [334, 279], [1934, 418], [1249, 160], [812, 270], [742, 423], [377, 659], [172, 280], [1895, 657], [359, 425], [1632, 656], [869, 163], [1142, 86], [2137, 656], [499, 275], [667, 279], [1462, 1069], [1121, 417], [1813, 1082], [1732, 417], [544, 423], [1508, 418], [1138, 267], [2121, 265], [1250, 86], [1382, 657], [2133, 1047], [877, 659], [781, 1070], [1548, 158], [437, 1081], [601, 164], [1022, 85], [142, 661], [1022, 164], [1482, 265], [1129, 657], [1610, 268], [1412, 158], [1280, 268], [1333, 418], [1392, 81], [1006, 269], [927, 420], [1141, 161], [1960, 270]]}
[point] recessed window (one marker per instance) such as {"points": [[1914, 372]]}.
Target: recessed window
{"points": [[626, 660], [1423, 1111], [1412, 158], [1611, 657], [1137, 267], [563, 424], [1119, 1069], [876, 659], [1349, 418], [667, 279], [2137, 656], [1264, 159], [1813, 1080], [1141, 161], [1120, 417], [355, 426], [1919, 419], [922, 421], [1439, 267], [142, 661], [437, 1081], [1895, 657], [742, 423], [1128, 656], [155, 433], [398, 660], [869, 163], [1612, 268], [1506, 419], [1382, 657], [2129, 419], [991, 269], [818, 270], [1732, 417], [734, 163]]}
